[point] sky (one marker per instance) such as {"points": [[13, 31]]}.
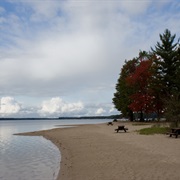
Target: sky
{"points": [[63, 57]]}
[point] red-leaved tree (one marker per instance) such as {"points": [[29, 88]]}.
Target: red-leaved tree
{"points": [[142, 99]]}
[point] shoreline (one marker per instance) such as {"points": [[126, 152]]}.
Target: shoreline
{"points": [[94, 152]]}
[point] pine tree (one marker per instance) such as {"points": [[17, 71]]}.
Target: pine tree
{"points": [[167, 62], [168, 74]]}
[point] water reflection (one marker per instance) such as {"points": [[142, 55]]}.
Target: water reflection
{"points": [[30, 158], [26, 158]]}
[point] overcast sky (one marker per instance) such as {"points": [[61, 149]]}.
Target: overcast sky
{"points": [[63, 57]]}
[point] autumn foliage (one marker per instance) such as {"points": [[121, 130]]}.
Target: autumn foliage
{"points": [[148, 83], [142, 99]]}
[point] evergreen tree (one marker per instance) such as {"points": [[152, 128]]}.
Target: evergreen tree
{"points": [[167, 67], [167, 61], [172, 112]]}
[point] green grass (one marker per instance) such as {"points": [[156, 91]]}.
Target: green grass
{"points": [[140, 124], [153, 130]]}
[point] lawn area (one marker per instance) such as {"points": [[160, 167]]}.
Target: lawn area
{"points": [[154, 130]]}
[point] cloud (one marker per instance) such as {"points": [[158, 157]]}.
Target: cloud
{"points": [[2, 10], [8, 106], [112, 110], [75, 49], [56, 106], [53, 108], [135, 7], [100, 111], [13, 108], [41, 11]]}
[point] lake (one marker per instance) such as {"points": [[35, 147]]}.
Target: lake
{"points": [[29, 157]]}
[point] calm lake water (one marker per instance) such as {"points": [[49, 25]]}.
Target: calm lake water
{"points": [[31, 158]]}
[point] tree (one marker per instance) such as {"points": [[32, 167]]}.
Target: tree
{"points": [[142, 100], [173, 102], [173, 109], [167, 62], [151, 82], [156, 87], [167, 67], [121, 98], [176, 80]]}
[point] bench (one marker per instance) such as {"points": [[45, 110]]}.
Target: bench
{"points": [[109, 123], [175, 132], [121, 128], [115, 120]]}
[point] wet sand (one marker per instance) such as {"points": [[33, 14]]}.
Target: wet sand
{"points": [[97, 152]]}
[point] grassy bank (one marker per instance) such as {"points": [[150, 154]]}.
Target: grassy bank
{"points": [[154, 130]]}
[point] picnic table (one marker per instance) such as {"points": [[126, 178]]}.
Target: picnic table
{"points": [[110, 123], [174, 132], [121, 128]]}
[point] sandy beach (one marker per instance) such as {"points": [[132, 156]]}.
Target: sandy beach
{"points": [[97, 152]]}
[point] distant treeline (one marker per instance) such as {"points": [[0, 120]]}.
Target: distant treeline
{"points": [[82, 117], [94, 117]]}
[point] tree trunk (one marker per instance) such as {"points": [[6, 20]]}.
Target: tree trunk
{"points": [[131, 116], [141, 116]]}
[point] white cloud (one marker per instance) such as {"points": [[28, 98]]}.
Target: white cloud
{"points": [[42, 10], [2, 10], [135, 7], [100, 111], [71, 48], [112, 110], [8, 106], [56, 106]]}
